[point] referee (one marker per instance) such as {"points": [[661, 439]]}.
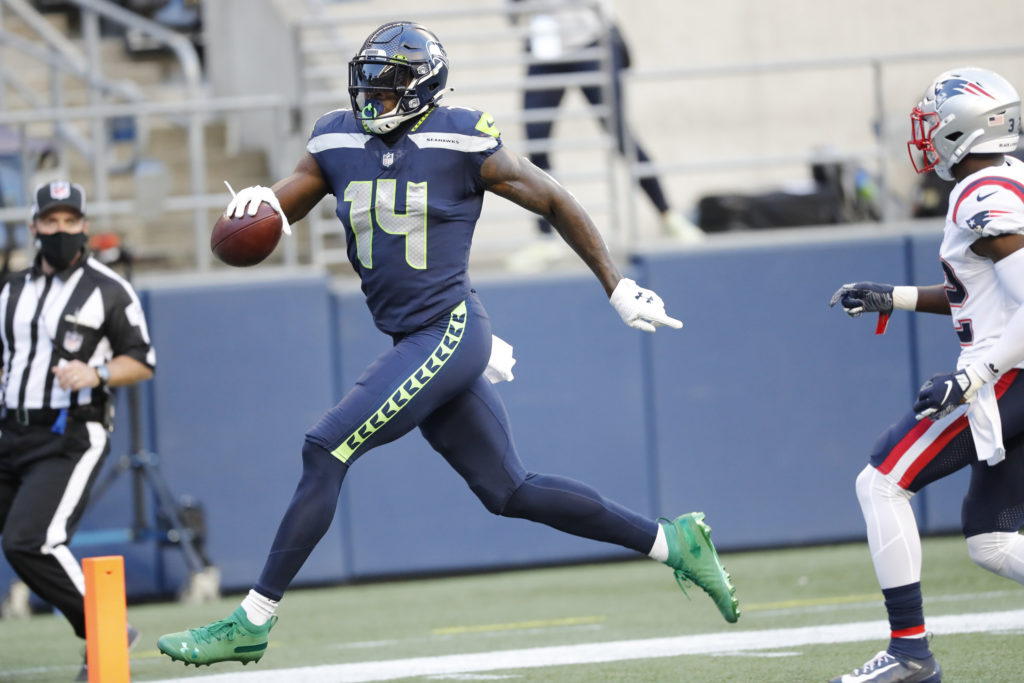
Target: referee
{"points": [[70, 328]]}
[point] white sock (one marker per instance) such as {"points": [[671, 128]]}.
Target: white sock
{"points": [[659, 551], [258, 608]]}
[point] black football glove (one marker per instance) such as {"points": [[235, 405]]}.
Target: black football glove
{"points": [[863, 297], [944, 393]]}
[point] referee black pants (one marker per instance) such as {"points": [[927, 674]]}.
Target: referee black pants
{"points": [[44, 485]]}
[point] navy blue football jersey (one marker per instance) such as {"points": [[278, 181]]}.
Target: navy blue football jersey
{"points": [[409, 207]]}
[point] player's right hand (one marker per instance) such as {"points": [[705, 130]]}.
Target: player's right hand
{"points": [[944, 393], [249, 198], [863, 297]]}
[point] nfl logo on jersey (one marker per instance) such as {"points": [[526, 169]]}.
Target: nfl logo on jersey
{"points": [[388, 159]]}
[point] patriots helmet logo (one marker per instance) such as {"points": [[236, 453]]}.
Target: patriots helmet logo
{"points": [[951, 87]]}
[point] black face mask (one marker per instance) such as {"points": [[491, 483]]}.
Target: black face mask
{"points": [[60, 248]]}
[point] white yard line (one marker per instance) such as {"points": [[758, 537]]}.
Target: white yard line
{"points": [[590, 653]]}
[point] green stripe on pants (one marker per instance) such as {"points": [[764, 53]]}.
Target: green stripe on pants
{"points": [[409, 388]]}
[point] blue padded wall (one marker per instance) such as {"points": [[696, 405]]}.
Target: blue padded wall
{"points": [[760, 411], [768, 402], [244, 370]]}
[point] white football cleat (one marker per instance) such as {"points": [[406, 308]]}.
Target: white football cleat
{"points": [[889, 668]]}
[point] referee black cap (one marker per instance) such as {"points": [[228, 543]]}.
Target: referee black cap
{"points": [[58, 194]]}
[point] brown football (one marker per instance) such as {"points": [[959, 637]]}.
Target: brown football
{"points": [[247, 240]]}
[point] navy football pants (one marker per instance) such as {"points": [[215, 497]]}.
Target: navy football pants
{"points": [[433, 379], [915, 453]]}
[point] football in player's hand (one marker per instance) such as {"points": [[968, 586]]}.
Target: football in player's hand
{"points": [[247, 240]]}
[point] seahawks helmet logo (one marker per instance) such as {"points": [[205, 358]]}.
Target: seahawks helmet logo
{"points": [[436, 53]]}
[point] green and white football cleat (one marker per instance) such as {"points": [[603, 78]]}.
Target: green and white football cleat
{"points": [[234, 639], [694, 559]]}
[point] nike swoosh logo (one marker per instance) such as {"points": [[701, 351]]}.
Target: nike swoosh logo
{"points": [[983, 197], [949, 388], [869, 675]]}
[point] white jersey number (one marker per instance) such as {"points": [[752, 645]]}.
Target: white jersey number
{"points": [[374, 202], [956, 293]]}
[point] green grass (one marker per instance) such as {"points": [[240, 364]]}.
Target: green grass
{"points": [[571, 605]]}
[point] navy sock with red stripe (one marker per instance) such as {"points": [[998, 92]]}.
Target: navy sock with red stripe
{"points": [[906, 619]]}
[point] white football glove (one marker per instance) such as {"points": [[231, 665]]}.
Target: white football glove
{"points": [[251, 197], [640, 308]]}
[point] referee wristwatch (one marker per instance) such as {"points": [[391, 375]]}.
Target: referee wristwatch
{"points": [[103, 372]]}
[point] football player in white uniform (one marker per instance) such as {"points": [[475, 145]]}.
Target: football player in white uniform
{"points": [[968, 120]]}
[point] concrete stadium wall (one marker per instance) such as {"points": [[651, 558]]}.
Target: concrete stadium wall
{"points": [[760, 411]]}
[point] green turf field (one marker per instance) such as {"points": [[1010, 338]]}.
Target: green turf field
{"points": [[602, 605]]}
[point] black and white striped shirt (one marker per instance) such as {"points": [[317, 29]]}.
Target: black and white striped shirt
{"points": [[87, 312]]}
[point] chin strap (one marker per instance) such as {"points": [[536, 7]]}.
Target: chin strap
{"points": [[387, 122]]}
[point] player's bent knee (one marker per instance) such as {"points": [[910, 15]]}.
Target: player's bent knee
{"points": [[989, 551], [496, 501], [320, 465], [522, 501], [497, 493], [872, 485]]}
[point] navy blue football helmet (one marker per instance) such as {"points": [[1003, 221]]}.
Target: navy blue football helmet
{"points": [[402, 57]]}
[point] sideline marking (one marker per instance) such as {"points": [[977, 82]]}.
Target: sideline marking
{"points": [[812, 602], [590, 653], [514, 626]]}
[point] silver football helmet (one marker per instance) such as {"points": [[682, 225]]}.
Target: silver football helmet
{"points": [[965, 111]]}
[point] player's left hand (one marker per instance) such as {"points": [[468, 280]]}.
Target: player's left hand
{"points": [[640, 308], [945, 392]]}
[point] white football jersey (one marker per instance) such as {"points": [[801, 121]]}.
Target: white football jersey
{"points": [[984, 204]]}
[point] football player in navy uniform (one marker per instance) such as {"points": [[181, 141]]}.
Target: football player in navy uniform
{"points": [[965, 128], [409, 178]]}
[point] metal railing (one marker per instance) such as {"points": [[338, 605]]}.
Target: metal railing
{"points": [[885, 138], [488, 65], [198, 201], [58, 51]]}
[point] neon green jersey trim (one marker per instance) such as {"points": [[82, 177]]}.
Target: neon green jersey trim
{"points": [[409, 388], [422, 119], [486, 125]]}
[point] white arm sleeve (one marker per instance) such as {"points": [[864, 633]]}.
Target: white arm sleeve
{"points": [[1009, 350]]}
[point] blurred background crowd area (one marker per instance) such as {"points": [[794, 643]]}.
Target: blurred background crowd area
{"points": [[754, 115]]}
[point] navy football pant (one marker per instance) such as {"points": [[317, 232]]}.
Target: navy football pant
{"points": [[915, 453], [433, 379]]}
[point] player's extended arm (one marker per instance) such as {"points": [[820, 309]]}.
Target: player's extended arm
{"points": [[870, 297], [943, 393], [516, 179]]}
